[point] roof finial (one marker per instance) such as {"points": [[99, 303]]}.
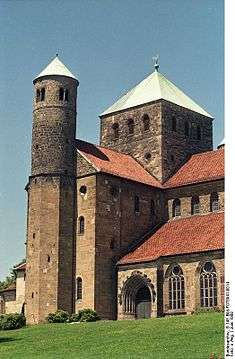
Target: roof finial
{"points": [[56, 55], [156, 62]]}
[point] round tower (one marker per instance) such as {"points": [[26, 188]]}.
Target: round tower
{"points": [[51, 216], [54, 120]]}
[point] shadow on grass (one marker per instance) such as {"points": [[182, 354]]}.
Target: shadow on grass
{"points": [[6, 340]]}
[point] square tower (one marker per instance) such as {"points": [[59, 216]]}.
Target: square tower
{"points": [[158, 125]]}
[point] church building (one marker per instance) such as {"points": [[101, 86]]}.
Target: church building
{"points": [[132, 227]]}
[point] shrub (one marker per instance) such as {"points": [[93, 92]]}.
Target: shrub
{"points": [[75, 317], [208, 310], [12, 321], [88, 315], [60, 316]]}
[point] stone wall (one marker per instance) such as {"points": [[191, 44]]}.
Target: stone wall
{"points": [[160, 149], [157, 274], [54, 127], [117, 227], [140, 142], [50, 241], [85, 242], [185, 193], [176, 146]]}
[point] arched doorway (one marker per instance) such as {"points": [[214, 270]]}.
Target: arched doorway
{"points": [[137, 296], [143, 303]]}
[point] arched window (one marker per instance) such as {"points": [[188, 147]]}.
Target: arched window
{"points": [[130, 125], [208, 285], [173, 124], [146, 122], [199, 133], [137, 204], [176, 208], [214, 202], [66, 95], [176, 288], [186, 129], [152, 207], [42, 94], [115, 128], [79, 288], [63, 94], [38, 95], [195, 205], [81, 224]]}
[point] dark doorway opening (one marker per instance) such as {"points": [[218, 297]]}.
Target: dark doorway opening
{"points": [[143, 303]]}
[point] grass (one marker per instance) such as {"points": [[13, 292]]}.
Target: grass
{"points": [[179, 337]]}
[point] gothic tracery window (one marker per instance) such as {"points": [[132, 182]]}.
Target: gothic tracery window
{"points": [[208, 285], [176, 288]]}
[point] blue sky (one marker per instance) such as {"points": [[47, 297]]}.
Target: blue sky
{"points": [[109, 46]]}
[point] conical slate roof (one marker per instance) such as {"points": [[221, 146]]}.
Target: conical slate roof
{"points": [[56, 67], [155, 87]]}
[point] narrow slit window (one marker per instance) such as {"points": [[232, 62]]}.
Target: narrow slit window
{"points": [[61, 94], [79, 288], [81, 227], [137, 204]]}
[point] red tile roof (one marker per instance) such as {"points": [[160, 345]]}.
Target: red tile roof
{"points": [[181, 236], [115, 163], [206, 166]]}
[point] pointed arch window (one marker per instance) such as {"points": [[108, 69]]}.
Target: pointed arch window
{"points": [[79, 288], [130, 126], [115, 128], [195, 205], [208, 285], [81, 225], [146, 122], [214, 202], [176, 208], [176, 289]]}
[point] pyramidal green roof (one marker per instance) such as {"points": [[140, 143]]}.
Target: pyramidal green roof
{"points": [[155, 87], [56, 67]]}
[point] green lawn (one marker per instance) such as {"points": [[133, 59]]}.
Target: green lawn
{"points": [[179, 337]]}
